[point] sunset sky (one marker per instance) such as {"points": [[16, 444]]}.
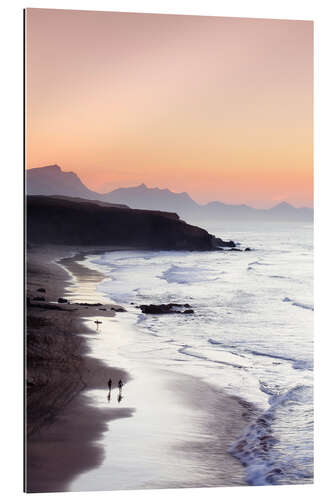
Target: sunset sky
{"points": [[218, 107]]}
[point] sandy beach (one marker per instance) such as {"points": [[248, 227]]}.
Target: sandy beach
{"points": [[169, 429], [58, 370]]}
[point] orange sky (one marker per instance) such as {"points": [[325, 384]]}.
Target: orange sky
{"points": [[218, 107]]}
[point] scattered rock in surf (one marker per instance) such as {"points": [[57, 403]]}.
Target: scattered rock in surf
{"points": [[86, 304], [171, 308], [41, 290], [62, 301], [102, 309], [235, 250], [219, 243], [117, 308], [40, 299], [156, 309], [247, 249]]}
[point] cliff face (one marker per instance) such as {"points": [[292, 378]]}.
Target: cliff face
{"points": [[52, 220]]}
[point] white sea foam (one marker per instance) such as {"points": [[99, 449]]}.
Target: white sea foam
{"points": [[187, 275], [256, 448]]}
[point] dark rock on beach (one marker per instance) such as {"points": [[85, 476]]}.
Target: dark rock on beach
{"points": [[171, 308], [41, 290], [86, 304], [156, 309], [118, 308], [62, 301], [40, 299], [247, 249], [174, 304]]}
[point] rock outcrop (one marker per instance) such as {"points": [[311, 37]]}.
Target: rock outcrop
{"points": [[171, 308], [64, 221]]}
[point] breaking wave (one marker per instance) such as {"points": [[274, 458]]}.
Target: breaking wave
{"points": [[298, 304], [256, 448]]}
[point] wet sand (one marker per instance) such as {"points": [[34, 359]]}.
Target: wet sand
{"points": [[178, 435], [60, 427], [169, 430]]}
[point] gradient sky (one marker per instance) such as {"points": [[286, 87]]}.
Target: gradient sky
{"points": [[218, 107]]}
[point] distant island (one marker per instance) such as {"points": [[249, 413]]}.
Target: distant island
{"points": [[52, 180]]}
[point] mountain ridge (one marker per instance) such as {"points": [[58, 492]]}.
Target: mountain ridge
{"points": [[52, 180]]}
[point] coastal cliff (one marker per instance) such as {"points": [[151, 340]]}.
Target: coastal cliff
{"points": [[69, 221]]}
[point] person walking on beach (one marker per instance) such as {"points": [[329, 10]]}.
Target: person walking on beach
{"points": [[120, 385], [109, 384]]}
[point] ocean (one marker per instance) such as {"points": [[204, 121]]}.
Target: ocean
{"points": [[251, 333]]}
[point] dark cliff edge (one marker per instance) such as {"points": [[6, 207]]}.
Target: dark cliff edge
{"points": [[67, 221]]}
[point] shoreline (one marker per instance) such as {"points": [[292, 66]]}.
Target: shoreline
{"points": [[58, 371], [84, 454]]}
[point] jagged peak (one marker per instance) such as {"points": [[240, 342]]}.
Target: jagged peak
{"points": [[162, 190], [283, 204]]}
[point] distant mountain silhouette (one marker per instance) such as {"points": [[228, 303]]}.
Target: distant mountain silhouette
{"points": [[281, 212], [51, 180], [153, 199]]}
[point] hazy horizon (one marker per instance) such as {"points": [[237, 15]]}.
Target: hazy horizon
{"points": [[165, 188], [220, 108]]}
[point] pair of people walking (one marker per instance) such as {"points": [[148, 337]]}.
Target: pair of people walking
{"points": [[120, 386]]}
